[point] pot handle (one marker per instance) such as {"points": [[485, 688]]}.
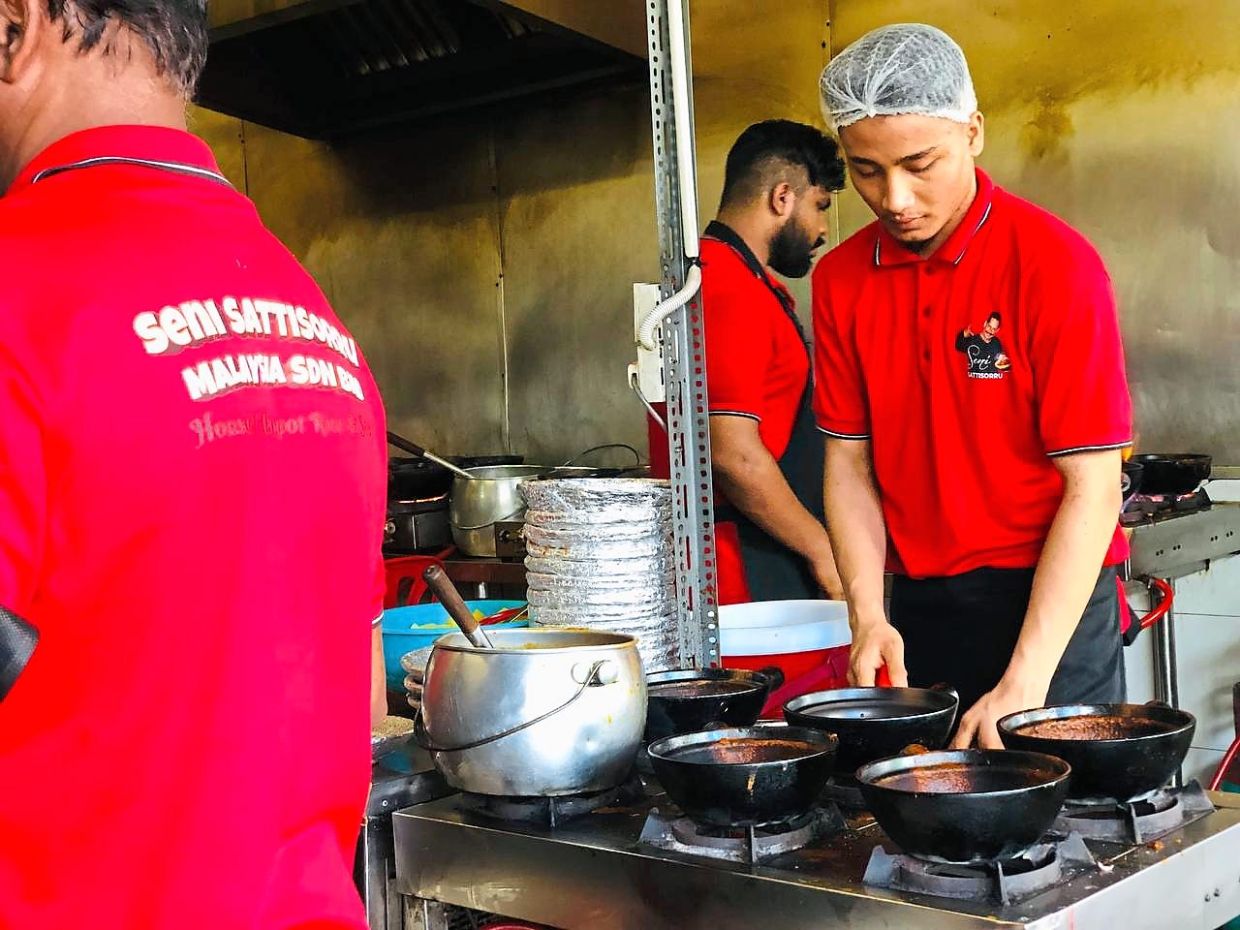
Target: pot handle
{"points": [[611, 445], [482, 526], [423, 738]]}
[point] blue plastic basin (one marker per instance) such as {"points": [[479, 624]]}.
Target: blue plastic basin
{"points": [[408, 628]]}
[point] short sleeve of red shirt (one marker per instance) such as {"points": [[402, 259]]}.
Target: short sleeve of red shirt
{"points": [[23, 487], [1077, 355], [839, 394], [735, 359]]}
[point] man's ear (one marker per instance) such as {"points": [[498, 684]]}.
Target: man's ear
{"points": [[977, 134], [22, 24], [782, 198]]}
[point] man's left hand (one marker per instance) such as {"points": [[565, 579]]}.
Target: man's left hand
{"points": [[828, 578], [979, 724]]}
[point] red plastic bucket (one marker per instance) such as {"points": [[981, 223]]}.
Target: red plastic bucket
{"points": [[807, 640]]}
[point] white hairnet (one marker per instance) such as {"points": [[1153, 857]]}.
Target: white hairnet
{"points": [[905, 68]]}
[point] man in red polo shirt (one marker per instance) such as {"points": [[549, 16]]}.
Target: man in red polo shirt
{"points": [[766, 456], [191, 507], [971, 385]]}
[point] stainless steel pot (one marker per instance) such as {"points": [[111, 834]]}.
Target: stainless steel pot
{"points": [[544, 713], [489, 496]]}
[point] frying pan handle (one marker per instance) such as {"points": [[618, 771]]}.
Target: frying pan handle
{"points": [[774, 676], [400, 442]]}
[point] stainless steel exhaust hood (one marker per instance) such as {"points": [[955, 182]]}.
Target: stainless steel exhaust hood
{"points": [[330, 68]]}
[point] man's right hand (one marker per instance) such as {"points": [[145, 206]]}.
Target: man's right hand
{"points": [[874, 645]]}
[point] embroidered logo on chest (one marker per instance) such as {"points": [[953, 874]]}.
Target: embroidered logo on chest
{"points": [[983, 350]]}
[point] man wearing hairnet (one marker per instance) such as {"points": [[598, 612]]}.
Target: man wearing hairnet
{"points": [[984, 474]]}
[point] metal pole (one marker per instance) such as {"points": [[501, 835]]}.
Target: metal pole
{"points": [[1166, 679], [671, 106], [1166, 674]]}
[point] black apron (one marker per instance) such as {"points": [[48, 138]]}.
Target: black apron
{"points": [[773, 572], [963, 629]]}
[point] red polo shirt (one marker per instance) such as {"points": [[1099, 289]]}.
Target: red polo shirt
{"points": [[965, 410], [756, 367], [191, 508]]}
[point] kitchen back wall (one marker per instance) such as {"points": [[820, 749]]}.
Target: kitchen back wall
{"points": [[485, 261]]}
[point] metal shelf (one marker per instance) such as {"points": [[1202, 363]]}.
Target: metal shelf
{"points": [[684, 353]]}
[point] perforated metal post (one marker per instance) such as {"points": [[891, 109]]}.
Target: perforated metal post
{"points": [[683, 352]]}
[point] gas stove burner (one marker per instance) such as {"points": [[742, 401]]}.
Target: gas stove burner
{"points": [[666, 830], [552, 811], [1004, 881], [1140, 820], [1144, 508], [845, 791], [416, 525]]}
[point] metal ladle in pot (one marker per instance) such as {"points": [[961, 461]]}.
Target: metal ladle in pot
{"points": [[400, 442], [439, 582]]}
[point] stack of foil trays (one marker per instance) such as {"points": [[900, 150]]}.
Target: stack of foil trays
{"points": [[599, 555]]}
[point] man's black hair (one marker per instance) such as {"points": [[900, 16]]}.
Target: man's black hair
{"points": [[761, 156], [996, 316], [174, 30]]}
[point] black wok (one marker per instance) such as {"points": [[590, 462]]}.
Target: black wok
{"points": [[969, 805], [690, 700], [751, 776], [1172, 474], [873, 723], [1117, 751], [416, 479]]}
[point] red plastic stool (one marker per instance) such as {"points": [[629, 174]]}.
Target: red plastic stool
{"points": [[403, 583]]}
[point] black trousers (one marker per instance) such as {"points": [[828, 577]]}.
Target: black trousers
{"points": [[962, 630]]}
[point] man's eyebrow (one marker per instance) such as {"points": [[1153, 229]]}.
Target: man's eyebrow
{"points": [[918, 155]]}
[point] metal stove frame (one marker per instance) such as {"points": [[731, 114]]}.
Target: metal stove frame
{"points": [[1172, 547], [594, 874]]}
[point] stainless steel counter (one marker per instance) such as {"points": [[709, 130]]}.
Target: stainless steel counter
{"points": [[591, 874]]}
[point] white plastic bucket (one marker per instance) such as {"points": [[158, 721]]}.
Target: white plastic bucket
{"points": [[769, 628], [807, 640]]}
